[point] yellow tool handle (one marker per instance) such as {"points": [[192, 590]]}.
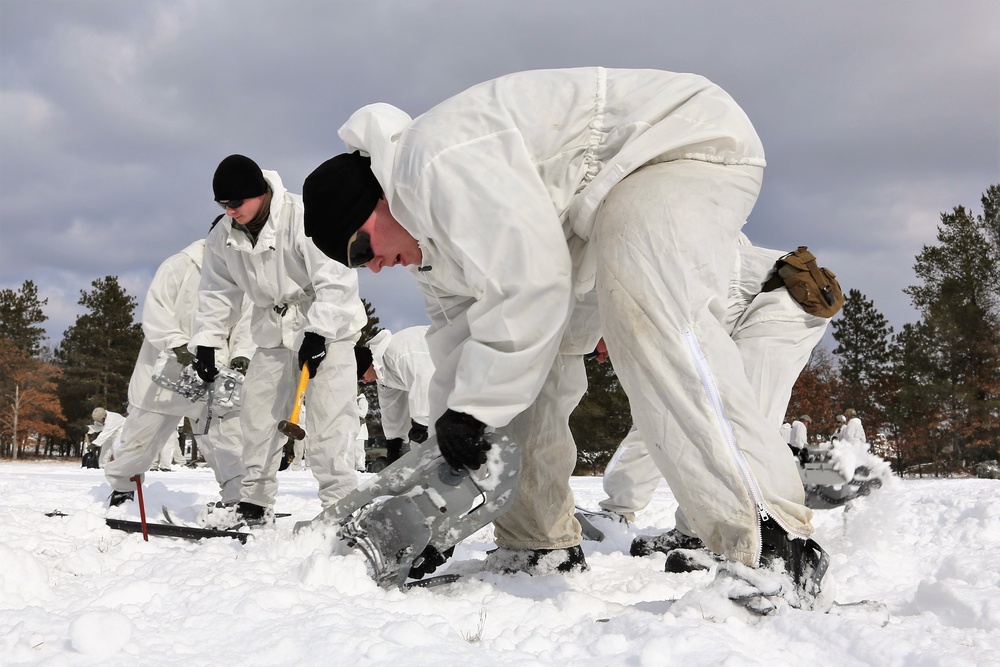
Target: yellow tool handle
{"points": [[300, 394]]}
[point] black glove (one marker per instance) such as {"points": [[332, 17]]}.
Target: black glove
{"points": [[312, 352], [204, 365], [418, 432], [183, 354], [460, 438], [239, 364], [429, 560]]}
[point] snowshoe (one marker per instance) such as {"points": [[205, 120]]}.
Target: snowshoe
{"points": [[827, 486], [170, 374], [587, 529], [609, 515], [421, 501], [390, 534]]}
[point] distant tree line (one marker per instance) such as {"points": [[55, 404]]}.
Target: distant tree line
{"points": [[47, 396], [929, 395]]}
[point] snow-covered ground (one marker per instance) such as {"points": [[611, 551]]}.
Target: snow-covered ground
{"points": [[75, 592]]}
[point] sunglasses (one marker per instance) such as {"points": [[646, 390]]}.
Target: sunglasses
{"points": [[359, 249], [232, 203]]}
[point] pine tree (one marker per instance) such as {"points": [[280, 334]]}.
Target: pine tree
{"points": [[98, 353], [21, 317], [601, 420], [370, 390], [371, 326], [915, 420], [959, 300], [864, 336]]}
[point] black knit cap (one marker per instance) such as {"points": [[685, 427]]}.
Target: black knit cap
{"points": [[238, 177], [363, 356], [338, 196]]}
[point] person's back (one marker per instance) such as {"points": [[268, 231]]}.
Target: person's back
{"points": [[854, 432], [800, 432], [403, 369], [108, 428]]}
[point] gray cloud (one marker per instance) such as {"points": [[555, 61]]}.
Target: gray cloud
{"points": [[115, 114]]}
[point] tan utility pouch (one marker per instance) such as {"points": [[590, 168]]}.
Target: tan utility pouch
{"points": [[814, 287]]}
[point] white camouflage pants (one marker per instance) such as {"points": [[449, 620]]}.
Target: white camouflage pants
{"points": [[775, 337], [144, 433], [540, 515], [667, 241], [331, 421], [222, 449]]}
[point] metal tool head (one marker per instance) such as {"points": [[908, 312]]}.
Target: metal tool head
{"points": [[291, 429]]}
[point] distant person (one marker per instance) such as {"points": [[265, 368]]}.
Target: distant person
{"points": [[800, 433], [169, 455], [838, 431], [306, 311], [854, 431], [91, 454], [105, 433], [359, 442], [400, 365]]}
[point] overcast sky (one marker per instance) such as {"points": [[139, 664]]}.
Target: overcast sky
{"points": [[876, 117]]}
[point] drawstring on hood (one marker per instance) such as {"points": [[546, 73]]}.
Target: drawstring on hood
{"points": [[252, 228], [426, 269]]}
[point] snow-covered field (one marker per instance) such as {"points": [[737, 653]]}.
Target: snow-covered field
{"points": [[75, 592]]}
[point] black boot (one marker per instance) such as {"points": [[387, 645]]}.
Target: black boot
{"points": [[803, 560], [690, 560], [252, 515], [536, 561], [119, 497], [429, 560], [644, 545]]}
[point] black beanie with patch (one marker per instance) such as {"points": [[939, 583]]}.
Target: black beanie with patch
{"points": [[339, 196], [238, 177]]}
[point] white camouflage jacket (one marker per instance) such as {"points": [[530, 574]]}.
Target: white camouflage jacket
{"points": [[501, 184], [293, 286], [404, 369]]}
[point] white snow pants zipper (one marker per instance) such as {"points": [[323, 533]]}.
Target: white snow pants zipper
{"points": [[726, 430]]}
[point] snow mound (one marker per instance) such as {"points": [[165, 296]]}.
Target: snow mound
{"points": [[100, 634]]}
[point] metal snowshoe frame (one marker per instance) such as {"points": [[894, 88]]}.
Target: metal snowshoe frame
{"points": [[421, 500], [826, 487], [169, 374]]}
